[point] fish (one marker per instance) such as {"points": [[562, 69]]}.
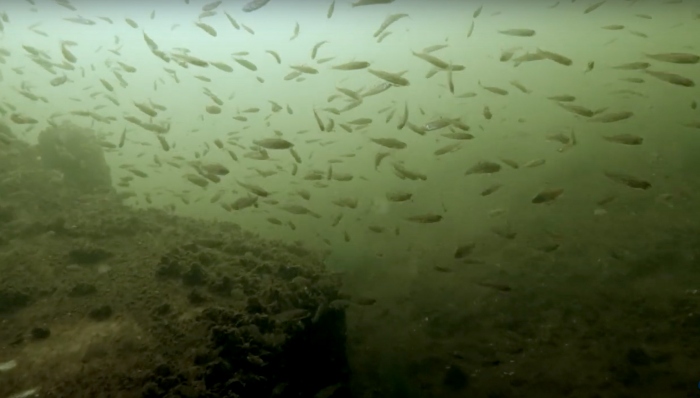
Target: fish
{"points": [[449, 148], [547, 195], [534, 163], [495, 286], [273, 143], [507, 55], [304, 69], [450, 81], [319, 122], [197, 180], [487, 113], [628, 180], [434, 48], [359, 3], [511, 163], [437, 124], [613, 27], [244, 202], [361, 121], [577, 109], [331, 9], [398, 196], [552, 56], [404, 119], [350, 203], [428, 218], [213, 109], [122, 139], [672, 78], [491, 189], [388, 21], [562, 98], [626, 139], [594, 7], [146, 109], [612, 117], [403, 172], [274, 221], [376, 228], [233, 21], [353, 65], [383, 36], [246, 64], [520, 87], [127, 68], [19, 118], [131, 23], [315, 49], [633, 66], [392, 143], [207, 28], [300, 210], [495, 90], [468, 94], [211, 6], [393, 78], [529, 57], [67, 54], [378, 159], [464, 250], [518, 32], [259, 191], [80, 20], [458, 136], [275, 55], [484, 167], [676, 58], [55, 82], [106, 85], [254, 5], [221, 66], [295, 34], [432, 60]]}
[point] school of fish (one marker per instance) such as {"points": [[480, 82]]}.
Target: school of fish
{"points": [[133, 122]]}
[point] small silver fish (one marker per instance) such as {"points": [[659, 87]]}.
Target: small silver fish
{"points": [[255, 5]]}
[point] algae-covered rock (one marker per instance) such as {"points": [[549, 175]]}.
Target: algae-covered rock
{"points": [[75, 151]]}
